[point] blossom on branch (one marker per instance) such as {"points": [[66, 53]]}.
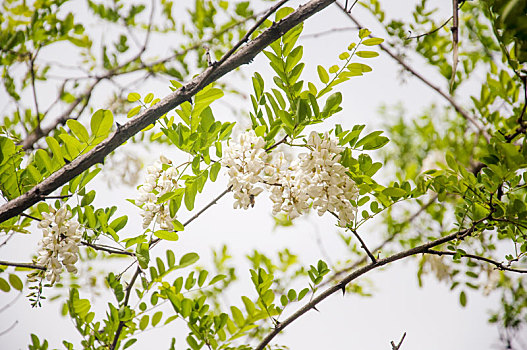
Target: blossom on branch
{"points": [[246, 162], [161, 178], [316, 178], [60, 243]]}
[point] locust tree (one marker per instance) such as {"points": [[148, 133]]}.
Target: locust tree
{"points": [[446, 187]]}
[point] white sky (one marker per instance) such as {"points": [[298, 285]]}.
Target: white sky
{"points": [[431, 316]]}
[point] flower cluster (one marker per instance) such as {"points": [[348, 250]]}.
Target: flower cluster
{"points": [[60, 243], [160, 178], [315, 178], [246, 162], [326, 180]]}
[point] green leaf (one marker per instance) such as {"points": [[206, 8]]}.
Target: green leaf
{"points": [[367, 54], [188, 259], [119, 223], [202, 277], [372, 41], [144, 322], [364, 33], [463, 298], [451, 161], [332, 103], [143, 255], [322, 74], [81, 307], [178, 226], [334, 69], [133, 97], [78, 130], [302, 293], [4, 286], [394, 192], [156, 318], [133, 111], [166, 235], [217, 278], [344, 56], [214, 170], [101, 123], [190, 195], [372, 141], [149, 98], [129, 343], [237, 316]]}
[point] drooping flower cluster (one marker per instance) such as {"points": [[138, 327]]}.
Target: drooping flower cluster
{"points": [[60, 243], [327, 182], [246, 162], [161, 178], [315, 177]]}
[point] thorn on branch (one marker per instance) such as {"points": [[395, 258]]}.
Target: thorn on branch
{"points": [[315, 308], [343, 289]]}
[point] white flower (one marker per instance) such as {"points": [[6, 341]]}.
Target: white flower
{"points": [[316, 177], [59, 245], [326, 181], [161, 178], [246, 162]]}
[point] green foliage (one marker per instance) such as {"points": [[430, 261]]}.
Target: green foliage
{"points": [[470, 182]]}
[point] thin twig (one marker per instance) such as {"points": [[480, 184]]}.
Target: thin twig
{"points": [[107, 249], [245, 38], [498, 265], [455, 42], [465, 114], [361, 271], [363, 245], [56, 197], [150, 115], [398, 346], [7, 239], [9, 328], [30, 217], [125, 303], [195, 216], [25, 265], [362, 260], [430, 32], [284, 139], [32, 71]]}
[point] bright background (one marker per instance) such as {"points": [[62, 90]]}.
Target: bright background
{"points": [[431, 316]]}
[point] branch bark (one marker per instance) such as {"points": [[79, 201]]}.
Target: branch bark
{"points": [[25, 265], [464, 113], [125, 303], [243, 56], [361, 271], [498, 265]]}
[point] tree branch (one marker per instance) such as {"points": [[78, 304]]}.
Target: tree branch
{"points": [[455, 41], [25, 265], [398, 346], [363, 245], [149, 116], [498, 265], [125, 303], [110, 250], [382, 245], [361, 271], [465, 114], [195, 216], [430, 32], [37, 134]]}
